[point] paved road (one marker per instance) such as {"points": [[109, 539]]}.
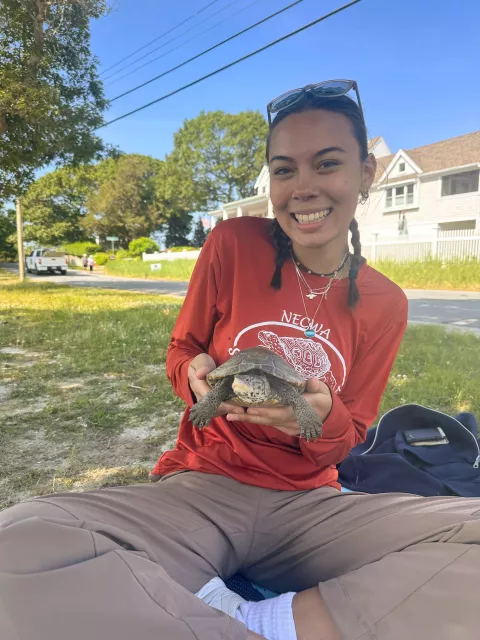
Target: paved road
{"points": [[455, 309]]}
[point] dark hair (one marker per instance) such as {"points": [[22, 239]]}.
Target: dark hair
{"points": [[281, 241]]}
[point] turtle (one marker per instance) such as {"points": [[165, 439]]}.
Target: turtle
{"points": [[253, 377]]}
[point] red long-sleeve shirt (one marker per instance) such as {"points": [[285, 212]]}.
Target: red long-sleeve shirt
{"points": [[230, 306]]}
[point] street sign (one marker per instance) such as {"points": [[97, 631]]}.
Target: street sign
{"points": [[112, 238]]}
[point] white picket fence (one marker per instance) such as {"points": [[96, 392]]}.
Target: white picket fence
{"points": [[448, 245]]}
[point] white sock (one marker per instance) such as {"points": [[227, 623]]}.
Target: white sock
{"points": [[217, 595], [272, 619]]}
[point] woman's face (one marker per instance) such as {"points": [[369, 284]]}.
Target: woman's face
{"points": [[316, 176]]}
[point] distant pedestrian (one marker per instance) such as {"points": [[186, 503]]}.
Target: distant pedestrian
{"points": [[91, 262], [85, 260]]}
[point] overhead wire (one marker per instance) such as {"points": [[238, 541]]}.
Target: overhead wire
{"points": [[165, 33], [202, 33], [195, 26], [202, 53], [235, 62]]}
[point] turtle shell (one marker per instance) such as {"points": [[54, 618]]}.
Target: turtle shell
{"points": [[259, 359]]}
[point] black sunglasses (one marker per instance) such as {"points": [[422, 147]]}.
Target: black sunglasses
{"points": [[325, 89]]}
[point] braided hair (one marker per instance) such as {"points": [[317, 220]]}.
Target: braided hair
{"points": [[280, 240]]}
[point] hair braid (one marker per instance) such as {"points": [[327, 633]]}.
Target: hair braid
{"points": [[281, 243], [356, 262]]}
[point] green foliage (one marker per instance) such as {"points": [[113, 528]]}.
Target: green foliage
{"points": [[55, 204], [102, 258], [199, 235], [51, 99], [8, 250], [177, 229], [122, 254], [79, 248], [219, 156], [179, 249], [142, 245], [126, 202]]}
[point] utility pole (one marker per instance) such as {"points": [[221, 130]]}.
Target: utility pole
{"points": [[21, 257]]}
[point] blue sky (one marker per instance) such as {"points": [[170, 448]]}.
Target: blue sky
{"points": [[415, 61]]}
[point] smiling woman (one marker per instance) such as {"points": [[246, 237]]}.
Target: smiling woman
{"points": [[248, 493]]}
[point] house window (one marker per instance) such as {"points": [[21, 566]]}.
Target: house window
{"points": [[401, 167], [465, 182], [399, 196]]}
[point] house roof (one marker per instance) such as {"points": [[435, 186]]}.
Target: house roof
{"points": [[454, 152], [373, 142]]}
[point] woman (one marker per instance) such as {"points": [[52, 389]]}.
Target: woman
{"points": [[247, 494]]}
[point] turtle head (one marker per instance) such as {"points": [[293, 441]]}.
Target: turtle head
{"points": [[251, 388]]}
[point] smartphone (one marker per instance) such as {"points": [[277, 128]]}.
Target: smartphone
{"points": [[425, 437]]}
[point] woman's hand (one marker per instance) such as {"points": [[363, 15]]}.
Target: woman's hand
{"points": [[198, 369], [317, 393]]}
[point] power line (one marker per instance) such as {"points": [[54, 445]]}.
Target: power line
{"points": [[215, 46], [173, 39], [165, 33], [232, 64]]}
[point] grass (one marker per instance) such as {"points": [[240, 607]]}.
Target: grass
{"points": [[171, 270], [85, 401], [433, 274]]}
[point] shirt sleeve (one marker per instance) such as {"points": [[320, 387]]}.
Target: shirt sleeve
{"points": [[196, 321], [356, 407]]}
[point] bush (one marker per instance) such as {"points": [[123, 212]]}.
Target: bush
{"points": [[177, 249], [102, 258], [122, 254], [79, 248], [142, 245]]}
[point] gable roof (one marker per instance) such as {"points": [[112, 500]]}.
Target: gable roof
{"points": [[454, 152]]}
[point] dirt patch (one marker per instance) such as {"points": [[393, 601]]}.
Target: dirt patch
{"points": [[5, 391], [13, 351], [33, 407]]}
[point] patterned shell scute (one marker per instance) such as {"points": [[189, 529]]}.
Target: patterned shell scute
{"points": [[260, 359]]}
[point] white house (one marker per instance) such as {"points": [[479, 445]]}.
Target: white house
{"points": [[416, 192]]}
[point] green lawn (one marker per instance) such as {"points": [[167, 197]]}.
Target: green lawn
{"points": [[85, 401], [431, 274]]}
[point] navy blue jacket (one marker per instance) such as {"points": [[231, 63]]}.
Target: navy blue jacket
{"points": [[386, 463]]}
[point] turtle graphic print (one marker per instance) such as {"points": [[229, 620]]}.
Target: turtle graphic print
{"points": [[315, 357], [308, 358]]}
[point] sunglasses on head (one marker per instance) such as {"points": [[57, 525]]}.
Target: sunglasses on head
{"points": [[325, 89]]}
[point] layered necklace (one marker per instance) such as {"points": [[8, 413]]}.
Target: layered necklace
{"points": [[313, 293]]}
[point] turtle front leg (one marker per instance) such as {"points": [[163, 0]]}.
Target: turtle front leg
{"points": [[205, 409], [308, 420]]}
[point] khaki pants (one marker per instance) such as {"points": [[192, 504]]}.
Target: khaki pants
{"points": [[124, 563]]}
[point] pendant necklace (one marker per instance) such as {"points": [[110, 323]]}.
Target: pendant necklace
{"points": [[313, 293]]}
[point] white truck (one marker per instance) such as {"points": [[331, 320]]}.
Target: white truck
{"points": [[46, 261]]}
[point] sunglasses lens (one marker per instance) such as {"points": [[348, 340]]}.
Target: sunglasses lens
{"points": [[284, 101], [332, 88]]}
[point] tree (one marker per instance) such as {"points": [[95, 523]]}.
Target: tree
{"points": [[199, 235], [177, 230], [219, 156], [142, 245], [8, 250], [55, 204], [51, 99], [126, 202]]}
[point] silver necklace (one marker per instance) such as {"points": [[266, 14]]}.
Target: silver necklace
{"points": [[310, 331], [313, 293]]}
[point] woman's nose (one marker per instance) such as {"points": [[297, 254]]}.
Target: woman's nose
{"points": [[305, 193]]}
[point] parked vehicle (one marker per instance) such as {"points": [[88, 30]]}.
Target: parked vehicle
{"points": [[46, 261]]}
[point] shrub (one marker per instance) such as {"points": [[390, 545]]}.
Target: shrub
{"points": [[176, 249], [142, 245], [79, 248], [122, 254], [102, 258]]}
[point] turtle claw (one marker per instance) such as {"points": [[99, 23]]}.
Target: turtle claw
{"points": [[311, 431]]}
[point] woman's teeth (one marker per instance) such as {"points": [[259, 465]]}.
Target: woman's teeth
{"points": [[312, 217]]}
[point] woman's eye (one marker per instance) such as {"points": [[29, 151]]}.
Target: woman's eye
{"points": [[282, 171], [328, 164]]}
